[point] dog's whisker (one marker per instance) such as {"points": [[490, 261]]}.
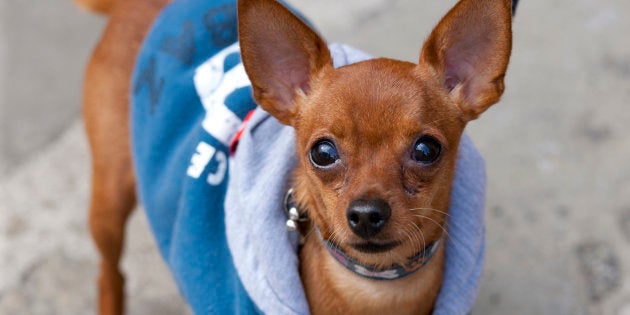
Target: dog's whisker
{"points": [[411, 237], [424, 242], [432, 220], [336, 236], [333, 236], [417, 239], [432, 209], [446, 233]]}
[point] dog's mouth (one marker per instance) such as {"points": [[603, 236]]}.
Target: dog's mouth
{"points": [[372, 247]]}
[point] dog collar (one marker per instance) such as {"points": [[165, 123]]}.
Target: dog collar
{"points": [[393, 272]]}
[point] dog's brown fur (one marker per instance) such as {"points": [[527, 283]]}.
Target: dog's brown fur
{"points": [[373, 111]]}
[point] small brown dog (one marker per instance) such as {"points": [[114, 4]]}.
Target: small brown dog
{"points": [[374, 140]]}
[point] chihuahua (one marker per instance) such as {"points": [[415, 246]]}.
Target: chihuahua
{"points": [[376, 144], [376, 141]]}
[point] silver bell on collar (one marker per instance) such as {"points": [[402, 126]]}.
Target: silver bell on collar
{"points": [[292, 212], [294, 218]]}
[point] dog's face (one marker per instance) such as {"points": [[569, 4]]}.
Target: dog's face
{"points": [[376, 158], [377, 140]]}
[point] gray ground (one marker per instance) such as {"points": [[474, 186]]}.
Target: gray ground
{"points": [[558, 207]]}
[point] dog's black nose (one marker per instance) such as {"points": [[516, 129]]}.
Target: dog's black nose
{"points": [[367, 217]]}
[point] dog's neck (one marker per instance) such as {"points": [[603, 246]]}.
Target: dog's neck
{"points": [[357, 294]]}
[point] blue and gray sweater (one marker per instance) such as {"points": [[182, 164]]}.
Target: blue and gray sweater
{"points": [[218, 220]]}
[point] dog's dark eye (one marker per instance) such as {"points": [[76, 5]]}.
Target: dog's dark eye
{"points": [[426, 150], [324, 154]]}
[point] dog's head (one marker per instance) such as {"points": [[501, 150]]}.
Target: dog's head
{"points": [[377, 140]]}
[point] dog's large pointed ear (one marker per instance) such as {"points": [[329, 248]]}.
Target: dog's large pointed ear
{"points": [[469, 51], [280, 54]]}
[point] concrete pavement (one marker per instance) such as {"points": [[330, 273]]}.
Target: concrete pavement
{"points": [[558, 206]]}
